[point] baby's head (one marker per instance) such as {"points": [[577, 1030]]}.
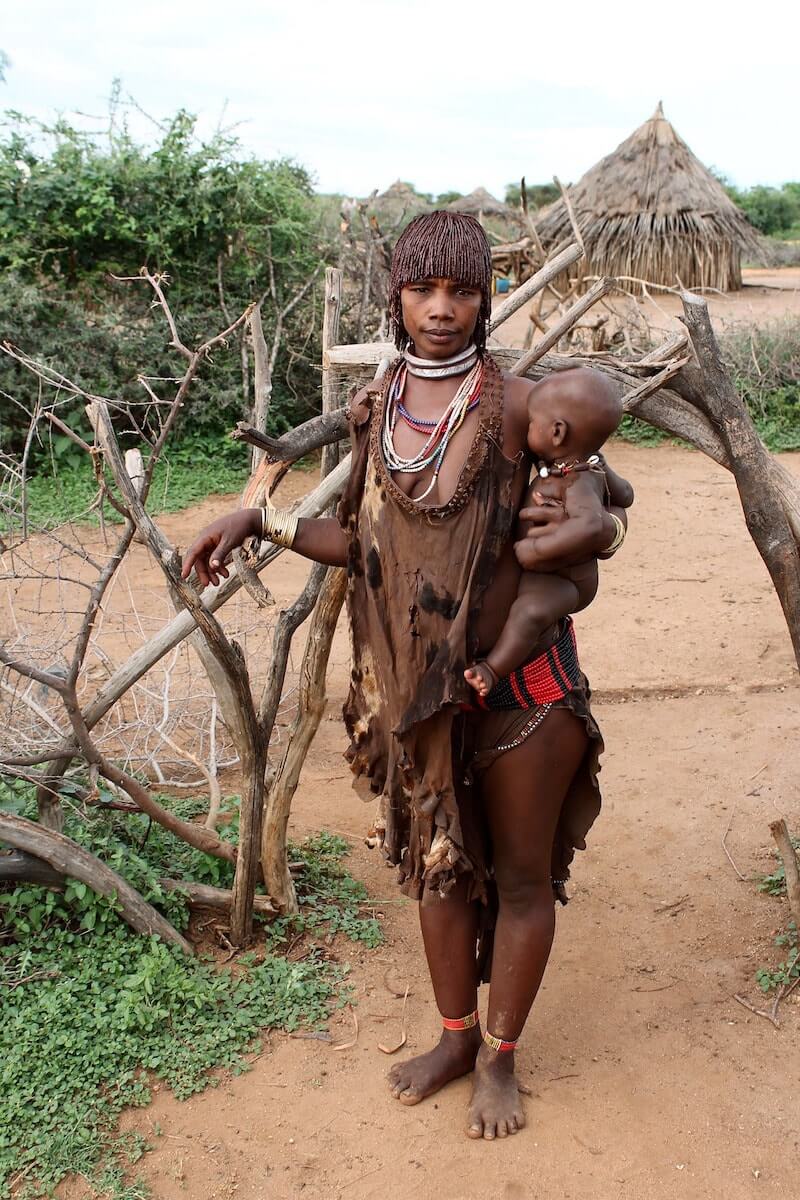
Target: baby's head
{"points": [[572, 413]]}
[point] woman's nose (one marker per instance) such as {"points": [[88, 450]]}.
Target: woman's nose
{"points": [[441, 305]]}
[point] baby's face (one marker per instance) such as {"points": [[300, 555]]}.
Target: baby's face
{"points": [[540, 442]]}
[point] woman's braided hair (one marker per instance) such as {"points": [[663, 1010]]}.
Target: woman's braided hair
{"points": [[441, 245]]}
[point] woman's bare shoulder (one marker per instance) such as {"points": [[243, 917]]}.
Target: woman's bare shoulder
{"points": [[516, 393]]}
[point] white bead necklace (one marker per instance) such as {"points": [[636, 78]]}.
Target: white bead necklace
{"points": [[435, 447]]}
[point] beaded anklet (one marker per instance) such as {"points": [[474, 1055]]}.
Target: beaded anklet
{"points": [[498, 1044], [458, 1023]]}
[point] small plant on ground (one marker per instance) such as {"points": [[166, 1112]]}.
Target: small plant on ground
{"points": [[782, 975]]}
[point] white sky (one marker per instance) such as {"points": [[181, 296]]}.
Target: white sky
{"points": [[444, 95]]}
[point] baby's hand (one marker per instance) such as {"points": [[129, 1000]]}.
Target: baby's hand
{"points": [[481, 677]]}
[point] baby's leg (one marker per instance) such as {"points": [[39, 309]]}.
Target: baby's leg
{"points": [[541, 601]]}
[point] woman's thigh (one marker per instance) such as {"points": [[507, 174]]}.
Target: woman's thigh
{"points": [[523, 791]]}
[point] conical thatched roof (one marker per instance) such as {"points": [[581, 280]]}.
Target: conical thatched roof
{"points": [[479, 201], [651, 210], [399, 190]]}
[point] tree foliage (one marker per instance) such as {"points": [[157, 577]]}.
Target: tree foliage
{"points": [[76, 210], [773, 211], [539, 194]]}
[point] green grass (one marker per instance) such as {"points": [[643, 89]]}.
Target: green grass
{"points": [[91, 1012]]}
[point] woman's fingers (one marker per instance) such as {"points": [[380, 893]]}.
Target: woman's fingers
{"points": [[542, 514], [206, 557]]}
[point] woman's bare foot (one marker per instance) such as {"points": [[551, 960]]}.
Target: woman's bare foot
{"points": [[481, 677], [419, 1077], [496, 1108]]}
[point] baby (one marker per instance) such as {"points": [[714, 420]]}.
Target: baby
{"points": [[571, 414]]}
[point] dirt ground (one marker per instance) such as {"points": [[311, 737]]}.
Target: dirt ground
{"points": [[648, 1080]]}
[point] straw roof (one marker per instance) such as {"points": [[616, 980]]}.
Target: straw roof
{"points": [[652, 211], [479, 201]]}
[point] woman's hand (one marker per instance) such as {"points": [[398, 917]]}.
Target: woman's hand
{"points": [[536, 522], [217, 541]]}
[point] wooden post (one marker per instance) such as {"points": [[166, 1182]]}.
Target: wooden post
{"points": [[311, 705], [263, 382], [780, 832], [330, 338]]}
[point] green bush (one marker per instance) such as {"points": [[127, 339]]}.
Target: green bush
{"points": [[75, 211]]}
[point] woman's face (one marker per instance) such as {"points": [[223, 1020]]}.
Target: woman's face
{"points": [[439, 316]]}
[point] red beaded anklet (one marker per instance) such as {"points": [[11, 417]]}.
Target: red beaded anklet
{"points": [[498, 1044], [467, 1022]]}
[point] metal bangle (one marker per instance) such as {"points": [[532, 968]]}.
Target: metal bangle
{"points": [[619, 536], [279, 526]]}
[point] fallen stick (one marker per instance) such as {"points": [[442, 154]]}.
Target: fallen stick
{"points": [[200, 895], [70, 859]]}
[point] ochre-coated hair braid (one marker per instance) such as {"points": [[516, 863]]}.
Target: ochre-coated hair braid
{"points": [[441, 245]]}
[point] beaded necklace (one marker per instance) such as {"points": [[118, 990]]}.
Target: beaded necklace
{"points": [[439, 431]]}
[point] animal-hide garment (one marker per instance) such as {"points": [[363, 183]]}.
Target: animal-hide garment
{"points": [[417, 576]]}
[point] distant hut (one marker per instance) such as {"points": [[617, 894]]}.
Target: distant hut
{"points": [[652, 211], [480, 202]]}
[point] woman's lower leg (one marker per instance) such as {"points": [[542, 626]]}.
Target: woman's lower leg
{"points": [[449, 931]]}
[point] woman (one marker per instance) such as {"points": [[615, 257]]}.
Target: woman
{"points": [[480, 809]]}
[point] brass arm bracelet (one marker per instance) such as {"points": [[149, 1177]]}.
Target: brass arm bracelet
{"points": [[619, 536], [279, 526]]}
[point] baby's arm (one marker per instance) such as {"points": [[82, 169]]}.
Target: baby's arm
{"points": [[577, 537]]}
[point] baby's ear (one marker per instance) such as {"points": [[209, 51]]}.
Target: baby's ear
{"points": [[559, 431]]}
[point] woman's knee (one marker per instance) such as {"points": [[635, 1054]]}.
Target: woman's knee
{"points": [[524, 889]]}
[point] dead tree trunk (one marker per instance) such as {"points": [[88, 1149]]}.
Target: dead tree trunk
{"points": [[312, 703], [749, 461]]}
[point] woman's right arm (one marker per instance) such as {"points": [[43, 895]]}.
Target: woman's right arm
{"points": [[319, 538]]}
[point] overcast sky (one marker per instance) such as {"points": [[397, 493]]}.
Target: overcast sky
{"points": [[444, 95]]}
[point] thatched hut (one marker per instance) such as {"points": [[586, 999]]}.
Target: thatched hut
{"points": [[652, 211], [480, 202]]}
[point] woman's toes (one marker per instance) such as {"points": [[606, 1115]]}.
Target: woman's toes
{"points": [[488, 1132], [475, 1130], [502, 1129]]}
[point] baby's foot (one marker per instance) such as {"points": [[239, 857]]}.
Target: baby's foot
{"points": [[481, 677]]}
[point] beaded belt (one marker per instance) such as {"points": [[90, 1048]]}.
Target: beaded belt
{"points": [[546, 678]]}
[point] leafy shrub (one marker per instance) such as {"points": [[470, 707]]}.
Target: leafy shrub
{"points": [[75, 211]]}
